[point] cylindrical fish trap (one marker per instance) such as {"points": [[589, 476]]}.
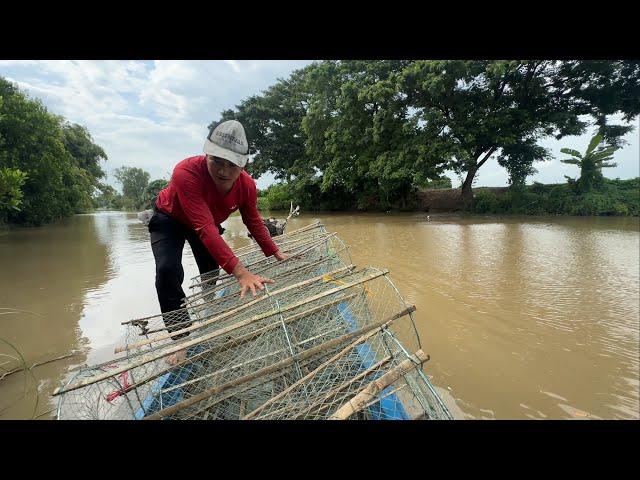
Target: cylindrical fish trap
{"points": [[327, 340]]}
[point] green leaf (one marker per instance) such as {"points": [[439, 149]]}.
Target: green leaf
{"points": [[570, 151], [605, 152], [595, 141], [571, 161], [605, 159]]}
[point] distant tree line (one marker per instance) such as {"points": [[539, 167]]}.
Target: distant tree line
{"points": [[50, 168], [137, 192], [369, 134]]}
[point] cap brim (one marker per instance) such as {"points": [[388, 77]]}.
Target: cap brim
{"points": [[211, 148]]}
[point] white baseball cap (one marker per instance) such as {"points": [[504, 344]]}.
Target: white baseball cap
{"points": [[227, 140]]}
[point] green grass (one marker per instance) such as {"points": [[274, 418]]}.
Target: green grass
{"points": [[610, 198]]}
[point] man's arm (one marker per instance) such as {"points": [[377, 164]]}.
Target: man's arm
{"points": [[254, 223]]}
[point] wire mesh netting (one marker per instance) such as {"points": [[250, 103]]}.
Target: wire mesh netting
{"points": [[321, 342]]}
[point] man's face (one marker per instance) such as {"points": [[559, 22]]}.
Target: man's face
{"points": [[223, 172]]}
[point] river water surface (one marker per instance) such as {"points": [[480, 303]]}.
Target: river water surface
{"points": [[523, 317]]}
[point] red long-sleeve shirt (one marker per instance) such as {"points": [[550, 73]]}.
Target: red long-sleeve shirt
{"points": [[192, 198]]}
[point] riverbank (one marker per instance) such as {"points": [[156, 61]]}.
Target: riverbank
{"points": [[610, 198]]}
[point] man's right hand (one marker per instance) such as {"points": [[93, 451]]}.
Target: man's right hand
{"points": [[249, 281]]}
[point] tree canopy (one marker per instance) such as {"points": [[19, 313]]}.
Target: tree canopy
{"points": [[368, 134], [50, 168]]}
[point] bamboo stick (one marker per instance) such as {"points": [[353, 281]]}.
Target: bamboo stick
{"points": [[309, 244], [386, 395], [254, 247], [210, 291], [344, 351], [37, 364], [144, 359], [368, 393], [188, 301], [311, 226], [280, 241], [272, 368], [251, 303], [331, 392], [207, 303], [344, 385], [226, 396]]}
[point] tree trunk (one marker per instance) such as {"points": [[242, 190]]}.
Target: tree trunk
{"points": [[467, 193]]}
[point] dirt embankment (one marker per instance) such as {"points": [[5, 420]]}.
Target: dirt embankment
{"points": [[449, 199]]}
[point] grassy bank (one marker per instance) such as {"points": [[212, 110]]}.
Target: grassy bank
{"points": [[611, 197]]}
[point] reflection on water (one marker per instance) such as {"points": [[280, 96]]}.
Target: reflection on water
{"points": [[523, 317]]}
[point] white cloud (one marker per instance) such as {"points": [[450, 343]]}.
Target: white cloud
{"points": [[234, 65], [145, 114]]}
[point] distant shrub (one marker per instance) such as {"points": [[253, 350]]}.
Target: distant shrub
{"points": [[608, 197]]}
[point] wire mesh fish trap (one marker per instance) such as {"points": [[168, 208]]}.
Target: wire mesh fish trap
{"points": [[251, 256], [327, 340]]}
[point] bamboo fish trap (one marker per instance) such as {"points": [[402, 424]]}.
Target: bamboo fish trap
{"points": [[328, 340]]}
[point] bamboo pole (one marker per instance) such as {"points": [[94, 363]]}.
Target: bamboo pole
{"points": [[340, 354], [280, 241], [226, 396], [227, 313], [251, 303], [248, 362], [202, 305], [344, 385], [144, 359], [37, 364], [292, 233], [368, 393], [210, 291], [308, 244], [273, 368], [331, 392], [386, 395]]}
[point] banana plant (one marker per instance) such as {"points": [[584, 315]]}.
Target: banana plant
{"points": [[592, 162]]}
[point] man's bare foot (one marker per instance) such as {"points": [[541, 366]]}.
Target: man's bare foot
{"points": [[177, 357]]}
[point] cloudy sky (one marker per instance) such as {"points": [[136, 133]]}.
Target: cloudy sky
{"points": [[152, 114]]}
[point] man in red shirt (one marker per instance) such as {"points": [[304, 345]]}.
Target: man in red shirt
{"points": [[202, 193]]}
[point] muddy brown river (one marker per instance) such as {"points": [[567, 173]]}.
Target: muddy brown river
{"points": [[523, 317]]}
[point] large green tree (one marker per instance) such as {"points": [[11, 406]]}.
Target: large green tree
{"points": [[472, 110], [32, 140], [86, 154], [360, 133], [134, 181], [368, 133], [273, 123]]}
